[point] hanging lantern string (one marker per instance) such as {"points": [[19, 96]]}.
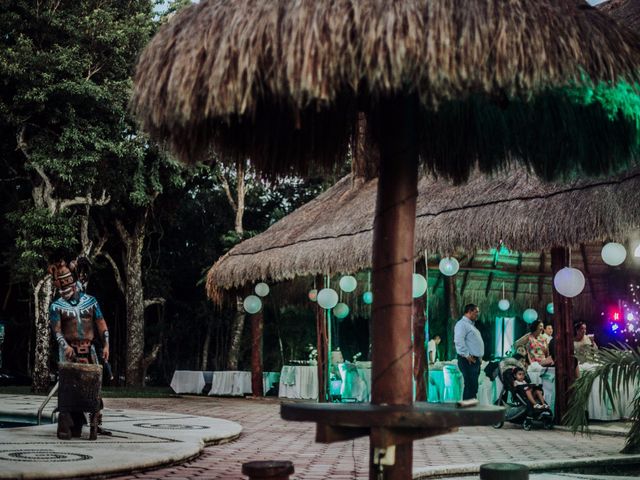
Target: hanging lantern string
{"points": [[529, 295], [426, 270], [569, 257], [502, 289]]}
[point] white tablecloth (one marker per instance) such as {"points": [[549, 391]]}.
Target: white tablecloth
{"points": [[356, 382], [230, 382], [439, 392], [604, 410], [299, 381], [187, 381]]}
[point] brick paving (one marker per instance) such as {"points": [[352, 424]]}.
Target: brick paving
{"points": [[267, 437]]}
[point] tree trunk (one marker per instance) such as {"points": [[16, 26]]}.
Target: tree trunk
{"points": [[323, 351], [134, 300], [240, 169], [236, 335], [43, 294], [257, 324], [563, 335], [204, 364], [452, 304], [420, 364], [393, 254]]}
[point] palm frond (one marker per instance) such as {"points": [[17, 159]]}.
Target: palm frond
{"points": [[617, 371]]}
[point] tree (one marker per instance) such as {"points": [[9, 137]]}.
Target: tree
{"points": [[65, 70]]}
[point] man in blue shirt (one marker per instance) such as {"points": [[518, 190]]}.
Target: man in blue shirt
{"points": [[470, 349]]}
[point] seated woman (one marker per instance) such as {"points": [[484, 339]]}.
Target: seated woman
{"points": [[534, 393], [536, 344], [584, 345]]}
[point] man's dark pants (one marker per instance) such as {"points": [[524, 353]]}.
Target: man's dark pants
{"points": [[470, 373]]}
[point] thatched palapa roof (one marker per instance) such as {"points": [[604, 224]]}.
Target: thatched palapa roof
{"points": [[333, 232], [281, 82], [626, 12]]}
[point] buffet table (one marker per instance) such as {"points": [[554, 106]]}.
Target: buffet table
{"points": [[231, 383], [227, 382], [600, 409], [299, 381], [446, 384], [187, 381]]}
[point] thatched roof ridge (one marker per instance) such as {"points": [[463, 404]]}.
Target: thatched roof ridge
{"points": [[282, 81], [626, 12], [333, 233]]}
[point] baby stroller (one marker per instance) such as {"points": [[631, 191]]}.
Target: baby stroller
{"points": [[519, 410]]}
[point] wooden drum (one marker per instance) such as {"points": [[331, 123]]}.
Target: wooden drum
{"points": [[80, 387]]}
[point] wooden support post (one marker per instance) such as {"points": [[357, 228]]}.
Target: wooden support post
{"points": [[452, 304], [322, 347], [257, 326], [563, 335], [420, 363], [587, 273], [393, 256], [466, 276], [540, 278]]}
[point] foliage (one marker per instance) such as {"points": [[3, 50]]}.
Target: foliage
{"points": [[39, 233], [617, 371]]}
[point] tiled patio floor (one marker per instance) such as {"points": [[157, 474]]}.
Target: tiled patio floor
{"points": [[266, 437]]}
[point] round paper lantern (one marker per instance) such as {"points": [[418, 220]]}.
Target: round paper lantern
{"points": [[252, 304], [530, 315], [613, 254], [313, 294], [367, 297], [504, 304], [636, 252], [449, 266], [348, 283], [419, 285], [569, 282], [550, 308], [262, 289], [341, 310], [327, 298]]}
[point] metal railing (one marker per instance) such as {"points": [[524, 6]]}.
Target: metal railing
{"points": [[46, 400]]}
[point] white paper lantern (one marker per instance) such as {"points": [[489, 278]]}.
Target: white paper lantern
{"points": [[530, 315], [327, 298], [419, 285], [313, 294], [341, 310], [262, 289], [613, 254], [569, 282], [636, 252], [504, 304], [252, 304], [348, 283], [449, 266]]}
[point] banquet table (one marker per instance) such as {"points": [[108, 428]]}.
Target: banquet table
{"points": [[187, 381], [600, 409], [299, 381], [356, 382], [230, 382], [446, 384], [227, 382]]}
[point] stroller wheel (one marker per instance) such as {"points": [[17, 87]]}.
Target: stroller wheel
{"points": [[548, 425], [527, 424], [498, 425]]}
